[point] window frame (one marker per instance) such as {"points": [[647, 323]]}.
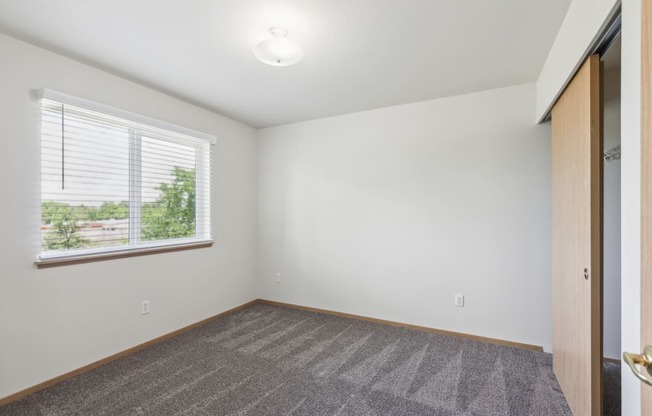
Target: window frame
{"points": [[172, 133]]}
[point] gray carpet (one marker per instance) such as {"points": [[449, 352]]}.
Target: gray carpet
{"points": [[267, 360], [611, 392]]}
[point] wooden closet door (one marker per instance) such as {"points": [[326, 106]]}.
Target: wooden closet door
{"points": [[577, 241]]}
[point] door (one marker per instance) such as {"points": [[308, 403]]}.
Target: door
{"points": [[577, 241]]}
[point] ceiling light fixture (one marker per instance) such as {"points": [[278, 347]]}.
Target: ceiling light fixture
{"points": [[278, 51]]}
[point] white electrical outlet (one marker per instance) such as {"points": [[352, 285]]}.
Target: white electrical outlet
{"points": [[459, 300], [278, 277], [144, 307]]}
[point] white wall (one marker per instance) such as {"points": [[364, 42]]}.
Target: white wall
{"points": [[611, 218], [631, 198], [389, 213], [582, 24], [56, 320]]}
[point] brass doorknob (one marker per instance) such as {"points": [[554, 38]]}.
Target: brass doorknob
{"points": [[644, 360]]}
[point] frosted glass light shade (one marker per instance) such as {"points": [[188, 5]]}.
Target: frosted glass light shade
{"points": [[278, 51]]}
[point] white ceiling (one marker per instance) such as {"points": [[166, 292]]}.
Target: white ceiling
{"points": [[359, 54]]}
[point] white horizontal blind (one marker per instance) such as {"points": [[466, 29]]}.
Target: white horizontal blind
{"points": [[115, 184]]}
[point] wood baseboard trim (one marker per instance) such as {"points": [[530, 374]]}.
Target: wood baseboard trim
{"points": [[408, 326], [26, 392]]}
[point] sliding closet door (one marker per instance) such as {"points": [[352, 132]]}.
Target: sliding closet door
{"points": [[577, 240]]}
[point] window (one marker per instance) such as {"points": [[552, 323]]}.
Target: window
{"points": [[115, 183]]}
